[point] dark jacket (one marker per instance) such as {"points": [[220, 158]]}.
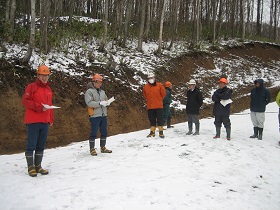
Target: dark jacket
{"points": [[194, 101], [260, 97], [166, 103], [218, 95]]}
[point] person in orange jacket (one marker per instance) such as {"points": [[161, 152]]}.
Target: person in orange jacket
{"points": [[154, 93], [37, 119]]}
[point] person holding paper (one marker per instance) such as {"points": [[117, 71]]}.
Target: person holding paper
{"points": [[37, 119], [154, 93], [97, 103], [260, 97], [194, 102], [220, 111]]}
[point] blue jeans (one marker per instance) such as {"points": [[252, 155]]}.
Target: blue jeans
{"points": [[98, 123], [37, 134]]}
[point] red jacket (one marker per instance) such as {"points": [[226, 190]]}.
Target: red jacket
{"points": [[154, 94], [35, 94]]}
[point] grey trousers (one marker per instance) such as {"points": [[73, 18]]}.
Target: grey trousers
{"points": [[193, 118], [258, 119]]}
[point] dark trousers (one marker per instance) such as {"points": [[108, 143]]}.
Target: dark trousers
{"points": [[222, 119], [155, 117], [98, 123], [37, 134]]}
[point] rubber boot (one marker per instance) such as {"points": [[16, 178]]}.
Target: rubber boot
{"points": [[152, 132], [38, 161], [30, 165], [196, 129], [160, 128], [260, 133], [190, 129], [91, 147], [256, 129], [168, 123], [228, 131], [218, 133], [105, 150]]}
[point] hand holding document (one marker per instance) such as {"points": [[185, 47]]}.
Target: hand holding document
{"points": [[50, 107], [226, 102], [111, 100]]}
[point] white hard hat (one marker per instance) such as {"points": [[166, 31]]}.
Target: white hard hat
{"points": [[150, 75], [192, 82]]}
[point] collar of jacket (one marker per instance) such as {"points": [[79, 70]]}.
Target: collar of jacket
{"points": [[41, 84]]}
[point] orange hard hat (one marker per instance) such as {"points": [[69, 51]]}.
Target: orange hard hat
{"points": [[97, 77], [43, 69], [224, 80], [167, 84]]}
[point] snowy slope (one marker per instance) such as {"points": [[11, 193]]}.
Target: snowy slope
{"points": [[178, 172]]}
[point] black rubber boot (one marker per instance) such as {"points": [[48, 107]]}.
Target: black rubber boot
{"points": [[218, 133], [260, 133], [190, 129], [196, 129], [30, 165], [38, 161], [255, 133], [228, 131]]}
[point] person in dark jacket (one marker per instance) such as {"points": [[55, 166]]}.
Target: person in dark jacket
{"points": [[166, 104], [194, 102], [221, 111], [260, 97]]}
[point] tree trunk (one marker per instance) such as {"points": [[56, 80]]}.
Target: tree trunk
{"points": [[148, 20], [105, 23], [28, 54], [11, 22], [259, 25], [242, 7], [214, 21], [127, 21], [45, 16], [142, 23], [161, 28]]}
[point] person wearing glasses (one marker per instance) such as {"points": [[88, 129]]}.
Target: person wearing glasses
{"points": [[37, 119], [97, 103]]}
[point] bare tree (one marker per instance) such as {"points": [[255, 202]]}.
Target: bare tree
{"points": [[214, 20], [259, 25], [10, 18], [28, 54], [44, 22], [242, 7], [161, 28], [129, 6], [141, 28], [105, 24]]}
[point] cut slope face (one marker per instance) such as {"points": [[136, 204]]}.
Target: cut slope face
{"points": [[241, 65]]}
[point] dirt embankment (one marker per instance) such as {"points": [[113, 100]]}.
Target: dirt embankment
{"points": [[126, 114]]}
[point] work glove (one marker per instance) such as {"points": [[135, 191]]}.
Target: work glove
{"points": [[103, 103]]}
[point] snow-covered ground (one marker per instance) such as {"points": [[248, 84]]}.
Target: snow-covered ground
{"points": [[178, 172]]}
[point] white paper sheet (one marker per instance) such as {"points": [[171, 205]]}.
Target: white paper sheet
{"points": [[50, 107], [226, 102]]}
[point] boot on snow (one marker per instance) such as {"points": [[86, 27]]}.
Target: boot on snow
{"points": [[255, 135], [190, 129], [105, 150], [228, 131], [196, 129], [160, 128], [152, 132], [30, 165], [218, 133], [93, 152], [38, 161], [260, 133]]}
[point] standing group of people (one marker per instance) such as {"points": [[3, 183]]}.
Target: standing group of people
{"points": [[39, 117]]}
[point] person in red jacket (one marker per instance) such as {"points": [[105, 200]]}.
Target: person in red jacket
{"points": [[37, 119], [154, 93]]}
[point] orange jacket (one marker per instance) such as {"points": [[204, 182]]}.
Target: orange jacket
{"points": [[154, 94]]}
